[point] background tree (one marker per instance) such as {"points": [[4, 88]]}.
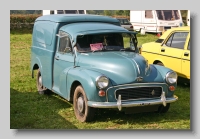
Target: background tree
{"points": [[119, 12], [107, 12]]}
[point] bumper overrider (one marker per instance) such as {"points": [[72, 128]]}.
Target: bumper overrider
{"points": [[133, 103]]}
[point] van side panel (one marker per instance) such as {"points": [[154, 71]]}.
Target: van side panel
{"points": [[43, 49]]}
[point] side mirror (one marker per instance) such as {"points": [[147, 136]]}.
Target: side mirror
{"points": [[140, 49], [132, 48], [67, 49]]}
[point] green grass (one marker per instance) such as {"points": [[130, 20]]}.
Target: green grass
{"points": [[29, 110]]}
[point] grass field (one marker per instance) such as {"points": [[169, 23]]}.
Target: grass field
{"points": [[29, 110]]}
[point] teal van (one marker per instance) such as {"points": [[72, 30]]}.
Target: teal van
{"points": [[91, 61]]}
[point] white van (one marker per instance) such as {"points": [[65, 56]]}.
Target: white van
{"points": [[48, 12], [156, 21]]}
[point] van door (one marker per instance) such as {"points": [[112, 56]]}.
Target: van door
{"points": [[62, 62]]}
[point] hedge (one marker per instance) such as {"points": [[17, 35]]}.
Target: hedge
{"points": [[22, 21], [27, 20]]}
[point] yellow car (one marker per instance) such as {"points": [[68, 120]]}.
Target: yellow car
{"points": [[171, 50]]}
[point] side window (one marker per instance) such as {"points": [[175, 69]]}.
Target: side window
{"points": [[177, 40], [121, 21], [64, 43], [81, 12], [52, 12], [126, 22], [148, 14], [59, 11]]}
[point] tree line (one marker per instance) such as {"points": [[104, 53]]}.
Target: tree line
{"points": [[97, 12]]}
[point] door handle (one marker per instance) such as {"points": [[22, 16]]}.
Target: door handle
{"points": [[186, 54], [57, 57], [162, 50]]}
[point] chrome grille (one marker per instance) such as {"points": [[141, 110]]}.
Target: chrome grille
{"points": [[139, 93]]}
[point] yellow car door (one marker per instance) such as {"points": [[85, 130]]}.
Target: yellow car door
{"points": [[172, 50], [186, 59]]}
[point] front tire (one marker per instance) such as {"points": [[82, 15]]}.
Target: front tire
{"points": [[160, 63], [41, 89], [163, 109], [82, 111]]}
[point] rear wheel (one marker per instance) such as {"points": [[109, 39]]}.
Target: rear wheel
{"points": [[40, 87], [82, 111]]}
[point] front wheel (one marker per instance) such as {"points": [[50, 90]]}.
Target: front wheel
{"points": [[40, 87], [160, 63], [82, 111], [163, 109]]}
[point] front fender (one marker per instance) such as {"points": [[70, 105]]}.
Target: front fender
{"points": [[37, 62], [162, 70], [87, 78]]}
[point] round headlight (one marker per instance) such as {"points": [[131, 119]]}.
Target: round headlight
{"points": [[102, 82], [171, 77]]}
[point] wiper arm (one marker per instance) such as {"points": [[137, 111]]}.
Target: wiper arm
{"points": [[127, 49], [96, 51]]}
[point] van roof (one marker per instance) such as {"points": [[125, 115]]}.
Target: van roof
{"points": [[76, 18], [93, 28]]}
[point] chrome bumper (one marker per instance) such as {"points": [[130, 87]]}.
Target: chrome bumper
{"points": [[133, 103]]}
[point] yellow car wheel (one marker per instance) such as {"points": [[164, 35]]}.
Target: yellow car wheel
{"points": [[160, 63]]}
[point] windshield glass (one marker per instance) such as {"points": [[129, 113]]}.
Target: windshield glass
{"points": [[107, 42], [168, 14]]}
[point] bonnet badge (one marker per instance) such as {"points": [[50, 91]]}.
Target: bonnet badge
{"points": [[139, 79]]}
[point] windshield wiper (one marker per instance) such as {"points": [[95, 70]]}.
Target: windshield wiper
{"points": [[127, 49]]}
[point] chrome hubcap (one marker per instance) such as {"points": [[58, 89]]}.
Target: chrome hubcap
{"points": [[80, 104]]}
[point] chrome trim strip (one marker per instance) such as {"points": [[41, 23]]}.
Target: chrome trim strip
{"points": [[130, 103], [133, 84], [137, 66], [135, 87]]}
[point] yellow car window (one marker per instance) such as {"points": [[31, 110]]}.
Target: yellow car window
{"points": [[177, 40]]}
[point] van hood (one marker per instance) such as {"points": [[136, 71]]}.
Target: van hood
{"points": [[119, 67]]}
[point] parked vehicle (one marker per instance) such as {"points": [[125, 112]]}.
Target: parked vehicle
{"points": [[48, 12], [95, 63], [171, 50], [188, 18], [156, 21], [125, 23]]}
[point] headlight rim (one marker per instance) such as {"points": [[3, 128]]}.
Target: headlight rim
{"points": [[167, 75], [99, 78]]}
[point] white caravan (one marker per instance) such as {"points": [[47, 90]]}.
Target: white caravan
{"points": [[188, 17], [48, 12], [156, 21]]}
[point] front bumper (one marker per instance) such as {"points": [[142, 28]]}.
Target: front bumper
{"points": [[132, 103]]}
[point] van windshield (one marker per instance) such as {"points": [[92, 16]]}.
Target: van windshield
{"points": [[107, 42], [168, 15]]}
